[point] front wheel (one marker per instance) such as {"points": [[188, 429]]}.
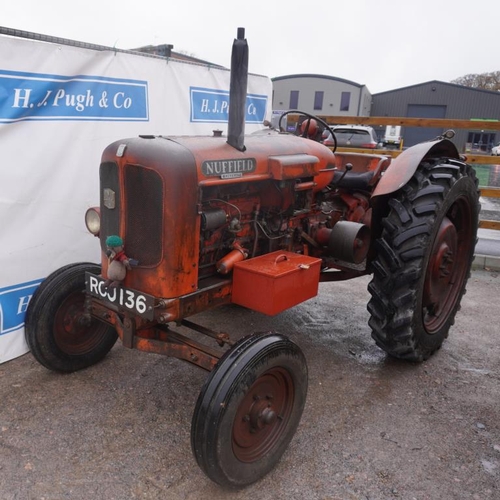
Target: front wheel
{"points": [[249, 409], [62, 336], [423, 259]]}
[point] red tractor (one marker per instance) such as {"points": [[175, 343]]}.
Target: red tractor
{"points": [[190, 223]]}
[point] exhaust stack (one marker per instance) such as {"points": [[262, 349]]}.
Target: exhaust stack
{"points": [[238, 92]]}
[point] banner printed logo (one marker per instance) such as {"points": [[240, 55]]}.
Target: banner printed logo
{"points": [[211, 105], [14, 302], [33, 96]]}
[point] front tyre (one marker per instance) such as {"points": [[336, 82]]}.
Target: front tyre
{"points": [[249, 409], [62, 336], [423, 259]]}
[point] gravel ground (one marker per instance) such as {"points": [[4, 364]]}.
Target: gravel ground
{"points": [[373, 427]]}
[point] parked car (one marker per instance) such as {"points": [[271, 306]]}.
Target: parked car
{"points": [[495, 150], [352, 136]]}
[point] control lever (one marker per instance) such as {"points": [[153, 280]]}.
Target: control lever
{"points": [[348, 168]]}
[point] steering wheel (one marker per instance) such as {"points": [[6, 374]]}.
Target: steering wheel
{"points": [[310, 117]]}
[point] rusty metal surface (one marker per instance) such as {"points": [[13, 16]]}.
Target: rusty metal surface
{"points": [[220, 337], [259, 417], [178, 346], [177, 272], [139, 334], [260, 148], [404, 166]]}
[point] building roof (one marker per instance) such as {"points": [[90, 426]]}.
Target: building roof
{"points": [[454, 85], [312, 75]]}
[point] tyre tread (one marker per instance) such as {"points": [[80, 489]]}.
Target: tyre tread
{"points": [[400, 255]]}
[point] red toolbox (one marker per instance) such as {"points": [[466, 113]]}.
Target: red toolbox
{"points": [[276, 281]]}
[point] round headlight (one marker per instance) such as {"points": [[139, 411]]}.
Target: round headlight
{"points": [[93, 220]]}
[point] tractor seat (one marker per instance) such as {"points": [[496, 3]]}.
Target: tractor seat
{"points": [[353, 180], [365, 173]]}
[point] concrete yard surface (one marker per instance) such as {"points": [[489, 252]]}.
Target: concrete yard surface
{"points": [[374, 428]]}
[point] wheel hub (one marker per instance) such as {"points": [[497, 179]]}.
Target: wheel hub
{"points": [[448, 266], [262, 415], [75, 320], [74, 331], [441, 268]]}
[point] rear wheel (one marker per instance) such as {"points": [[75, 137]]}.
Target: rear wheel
{"points": [[423, 259], [59, 331], [249, 409]]}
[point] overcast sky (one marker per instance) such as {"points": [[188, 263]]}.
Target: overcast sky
{"points": [[384, 44]]}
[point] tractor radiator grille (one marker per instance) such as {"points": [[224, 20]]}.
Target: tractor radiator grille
{"points": [[144, 215], [110, 213]]}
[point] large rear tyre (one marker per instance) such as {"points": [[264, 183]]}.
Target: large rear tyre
{"points": [[249, 409], [60, 333], [423, 259]]}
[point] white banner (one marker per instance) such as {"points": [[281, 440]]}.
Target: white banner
{"points": [[60, 106]]}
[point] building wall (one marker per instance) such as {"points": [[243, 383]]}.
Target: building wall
{"points": [[307, 85], [460, 102]]}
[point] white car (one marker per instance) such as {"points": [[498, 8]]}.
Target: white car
{"points": [[495, 150], [352, 136]]}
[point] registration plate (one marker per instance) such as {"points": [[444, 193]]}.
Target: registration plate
{"points": [[125, 298]]}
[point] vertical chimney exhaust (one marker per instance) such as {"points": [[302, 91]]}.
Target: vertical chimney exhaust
{"points": [[238, 92]]}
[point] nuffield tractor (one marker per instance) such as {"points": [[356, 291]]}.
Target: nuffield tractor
{"points": [[186, 224]]}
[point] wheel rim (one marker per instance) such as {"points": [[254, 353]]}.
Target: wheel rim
{"points": [[448, 265], [75, 332], [263, 415]]}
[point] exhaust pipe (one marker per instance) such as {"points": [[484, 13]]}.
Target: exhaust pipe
{"points": [[238, 92]]}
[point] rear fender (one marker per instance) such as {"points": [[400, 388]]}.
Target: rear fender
{"points": [[402, 168]]}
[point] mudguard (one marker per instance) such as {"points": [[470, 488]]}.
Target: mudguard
{"points": [[401, 169]]}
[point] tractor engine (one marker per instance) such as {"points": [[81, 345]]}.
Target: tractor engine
{"points": [[190, 208]]}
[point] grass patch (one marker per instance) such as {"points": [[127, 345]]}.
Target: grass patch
{"points": [[483, 174]]}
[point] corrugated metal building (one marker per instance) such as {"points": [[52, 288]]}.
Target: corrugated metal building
{"points": [[321, 95], [437, 99]]}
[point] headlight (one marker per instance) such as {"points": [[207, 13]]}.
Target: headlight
{"points": [[93, 220]]}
